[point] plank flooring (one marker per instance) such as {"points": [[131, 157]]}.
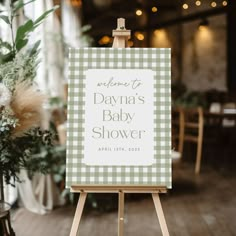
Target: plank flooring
{"points": [[202, 205]]}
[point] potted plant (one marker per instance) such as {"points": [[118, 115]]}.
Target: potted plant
{"points": [[20, 99]]}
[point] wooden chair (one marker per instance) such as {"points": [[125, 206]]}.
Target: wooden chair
{"points": [[177, 133], [187, 126], [193, 131]]}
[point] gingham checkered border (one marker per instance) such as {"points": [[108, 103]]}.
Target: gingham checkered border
{"points": [[158, 60]]}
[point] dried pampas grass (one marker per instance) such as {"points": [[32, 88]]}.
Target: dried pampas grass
{"points": [[27, 107]]}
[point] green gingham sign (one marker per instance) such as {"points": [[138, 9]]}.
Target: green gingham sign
{"points": [[119, 117]]}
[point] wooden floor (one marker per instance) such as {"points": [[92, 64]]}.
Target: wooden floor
{"points": [[196, 206]]}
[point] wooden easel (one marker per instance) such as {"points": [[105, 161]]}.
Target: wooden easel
{"points": [[121, 36]]}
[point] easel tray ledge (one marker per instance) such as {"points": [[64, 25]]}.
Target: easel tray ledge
{"points": [[117, 189]]}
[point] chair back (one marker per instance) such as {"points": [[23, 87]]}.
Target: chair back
{"points": [[178, 129], [193, 131]]}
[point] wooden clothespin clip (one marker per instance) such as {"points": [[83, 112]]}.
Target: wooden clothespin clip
{"points": [[121, 34]]}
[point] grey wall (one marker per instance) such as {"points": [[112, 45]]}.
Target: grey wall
{"points": [[198, 55]]}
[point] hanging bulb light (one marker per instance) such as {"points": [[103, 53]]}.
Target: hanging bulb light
{"points": [[203, 24], [139, 12], [213, 4], [198, 3], [154, 9], [185, 6], [224, 3]]}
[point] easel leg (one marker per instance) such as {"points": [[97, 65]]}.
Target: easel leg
{"points": [[160, 214], [121, 214], [78, 214]]}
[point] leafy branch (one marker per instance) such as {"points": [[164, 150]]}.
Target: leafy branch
{"points": [[17, 152], [23, 32]]}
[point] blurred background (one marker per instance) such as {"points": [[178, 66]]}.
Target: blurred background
{"points": [[202, 36]]}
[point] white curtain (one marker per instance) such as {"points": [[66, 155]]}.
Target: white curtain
{"points": [[4, 30], [50, 75], [10, 194], [71, 28], [40, 194], [71, 25]]}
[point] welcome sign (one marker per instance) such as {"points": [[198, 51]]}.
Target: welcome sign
{"points": [[118, 133], [119, 117]]}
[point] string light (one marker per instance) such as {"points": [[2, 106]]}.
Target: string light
{"points": [[154, 9], [213, 4], [130, 43], [139, 36], [104, 40], [185, 6], [139, 12], [198, 3], [224, 3]]}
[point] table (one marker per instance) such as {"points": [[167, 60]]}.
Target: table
{"points": [[220, 137], [211, 118]]}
